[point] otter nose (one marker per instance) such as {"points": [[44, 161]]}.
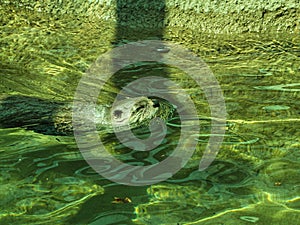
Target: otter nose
{"points": [[118, 114]]}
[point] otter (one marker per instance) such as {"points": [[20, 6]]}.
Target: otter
{"points": [[55, 118]]}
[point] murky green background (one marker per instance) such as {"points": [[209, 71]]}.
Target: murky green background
{"points": [[255, 178]]}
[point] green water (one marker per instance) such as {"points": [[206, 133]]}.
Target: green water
{"points": [[255, 178]]}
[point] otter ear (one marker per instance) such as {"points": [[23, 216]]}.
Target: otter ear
{"points": [[155, 103]]}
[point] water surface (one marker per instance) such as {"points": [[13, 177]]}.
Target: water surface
{"points": [[255, 178]]}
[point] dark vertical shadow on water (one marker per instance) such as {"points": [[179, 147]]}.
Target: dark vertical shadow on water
{"points": [[136, 21], [139, 20]]}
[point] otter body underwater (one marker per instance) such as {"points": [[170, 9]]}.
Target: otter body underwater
{"points": [[55, 118]]}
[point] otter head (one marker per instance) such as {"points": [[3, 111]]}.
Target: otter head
{"points": [[131, 112]]}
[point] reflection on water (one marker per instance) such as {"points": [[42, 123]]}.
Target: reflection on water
{"points": [[255, 178]]}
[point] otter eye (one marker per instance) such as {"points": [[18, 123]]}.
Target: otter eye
{"points": [[118, 114]]}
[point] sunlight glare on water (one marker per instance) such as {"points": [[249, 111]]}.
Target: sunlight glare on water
{"points": [[254, 179]]}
